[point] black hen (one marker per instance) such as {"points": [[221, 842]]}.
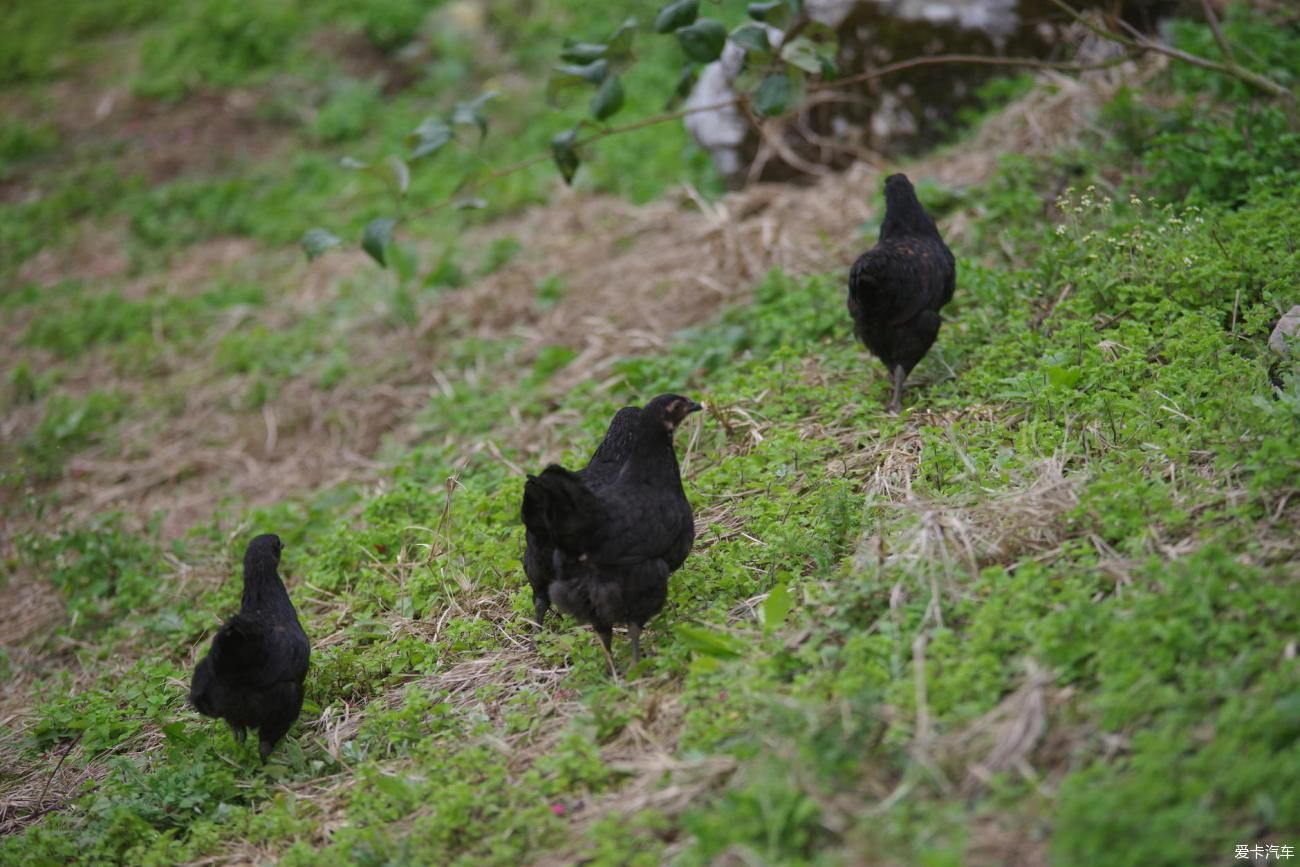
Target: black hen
{"points": [[539, 555], [897, 287], [616, 538], [252, 677]]}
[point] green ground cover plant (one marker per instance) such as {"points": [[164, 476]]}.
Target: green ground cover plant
{"points": [[1048, 613]]}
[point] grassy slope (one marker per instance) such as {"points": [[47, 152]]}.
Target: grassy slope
{"points": [[1050, 612]]}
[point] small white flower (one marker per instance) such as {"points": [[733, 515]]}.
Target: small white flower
{"points": [[1060, 230]]}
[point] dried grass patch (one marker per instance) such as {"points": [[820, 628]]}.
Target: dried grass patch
{"points": [[37, 790]]}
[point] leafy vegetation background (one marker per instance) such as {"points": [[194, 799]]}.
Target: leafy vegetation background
{"points": [[1049, 615]]}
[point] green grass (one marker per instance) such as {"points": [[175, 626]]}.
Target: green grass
{"points": [[1085, 521], [1179, 657]]}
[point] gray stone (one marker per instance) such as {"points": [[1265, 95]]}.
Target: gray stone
{"points": [[1284, 340]]}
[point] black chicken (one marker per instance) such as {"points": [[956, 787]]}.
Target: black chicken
{"points": [[616, 538], [897, 287], [539, 556], [252, 677]]}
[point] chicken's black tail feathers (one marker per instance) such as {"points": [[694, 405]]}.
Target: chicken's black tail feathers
{"points": [[560, 509], [201, 689]]}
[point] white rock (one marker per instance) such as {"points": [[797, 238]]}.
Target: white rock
{"points": [[1283, 339]]}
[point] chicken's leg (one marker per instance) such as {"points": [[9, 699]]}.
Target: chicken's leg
{"points": [[540, 607], [634, 633], [606, 635], [896, 405]]}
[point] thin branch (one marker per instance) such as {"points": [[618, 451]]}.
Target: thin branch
{"points": [[1218, 33], [1137, 43], [41, 803], [869, 75], [1140, 42]]}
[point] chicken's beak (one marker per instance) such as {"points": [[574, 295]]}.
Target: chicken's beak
{"points": [[692, 406]]}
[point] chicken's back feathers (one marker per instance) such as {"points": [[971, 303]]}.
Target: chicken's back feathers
{"points": [[258, 651], [619, 531], [252, 677], [897, 288], [560, 510], [539, 547], [618, 543], [613, 449]]}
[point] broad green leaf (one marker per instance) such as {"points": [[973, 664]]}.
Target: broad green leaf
{"points": [[429, 137], [752, 38], [773, 94], [830, 69], [776, 12], [565, 153], [175, 733], [1063, 377], [471, 113], [620, 42], [294, 753], [377, 238], [776, 607], [703, 41], [802, 52], [586, 73], [317, 241], [680, 13], [395, 174], [608, 99], [710, 642], [685, 81], [394, 787], [582, 52], [393, 171]]}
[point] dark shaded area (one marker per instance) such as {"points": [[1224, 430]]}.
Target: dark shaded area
{"points": [[914, 110]]}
